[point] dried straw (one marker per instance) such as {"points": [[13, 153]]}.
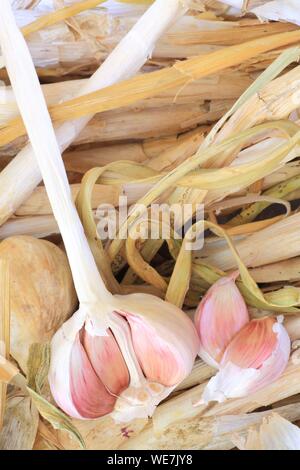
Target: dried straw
{"points": [[4, 329]]}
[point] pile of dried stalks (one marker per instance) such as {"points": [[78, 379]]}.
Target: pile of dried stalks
{"points": [[211, 118]]}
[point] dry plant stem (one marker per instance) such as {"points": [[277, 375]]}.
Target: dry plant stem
{"points": [[188, 166], [4, 328], [38, 203], [59, 15], [47, 436], [178, 417], [200, 373], [151, 84], [283, 236], [288, 270], [225, 86], [187, 38], [136, 47], [36, 226], [214, 432]]}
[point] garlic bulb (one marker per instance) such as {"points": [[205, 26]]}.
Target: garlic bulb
{"points": [[41, 291], [157, 341], [255, 357], [150, 348], [220, 315]]}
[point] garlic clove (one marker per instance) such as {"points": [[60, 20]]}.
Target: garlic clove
{"points": [[251, 362], [140, 399], [221, 314], [159, 334], [107, 361], [254, 345], [85, 383], [159, 344], [158, 361], [89, 395], [60, 374]]}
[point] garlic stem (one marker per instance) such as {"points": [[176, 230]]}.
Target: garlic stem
{"points": [[124, 62]]}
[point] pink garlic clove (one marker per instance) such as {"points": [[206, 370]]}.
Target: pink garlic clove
{"points": [[164, 339], [76, 384], [256, 357], [253, 345], [107, 361], [89, 395], [221, 314], [159, 361]]}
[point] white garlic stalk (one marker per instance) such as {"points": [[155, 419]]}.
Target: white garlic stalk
{"points": [[116, 354], [22, 174]]}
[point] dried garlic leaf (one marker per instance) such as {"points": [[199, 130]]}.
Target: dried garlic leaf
{"points": [[38, 366], [20, 424], [55, 417]]}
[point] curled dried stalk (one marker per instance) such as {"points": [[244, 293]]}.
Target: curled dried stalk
{"points": [[241, 176], [278, 191]]}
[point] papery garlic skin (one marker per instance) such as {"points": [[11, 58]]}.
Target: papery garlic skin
{"points": [[275, 433], [277, 10], [256, 357], [221, 314], [150, 348]]}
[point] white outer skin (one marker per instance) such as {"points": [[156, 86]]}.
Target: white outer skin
{"points": [[59, 373], [278, 10], [275, 433]]}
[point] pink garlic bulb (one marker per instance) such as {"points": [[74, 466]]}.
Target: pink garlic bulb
{"points": [[149, 349], [220, 316], [255, 358]]}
